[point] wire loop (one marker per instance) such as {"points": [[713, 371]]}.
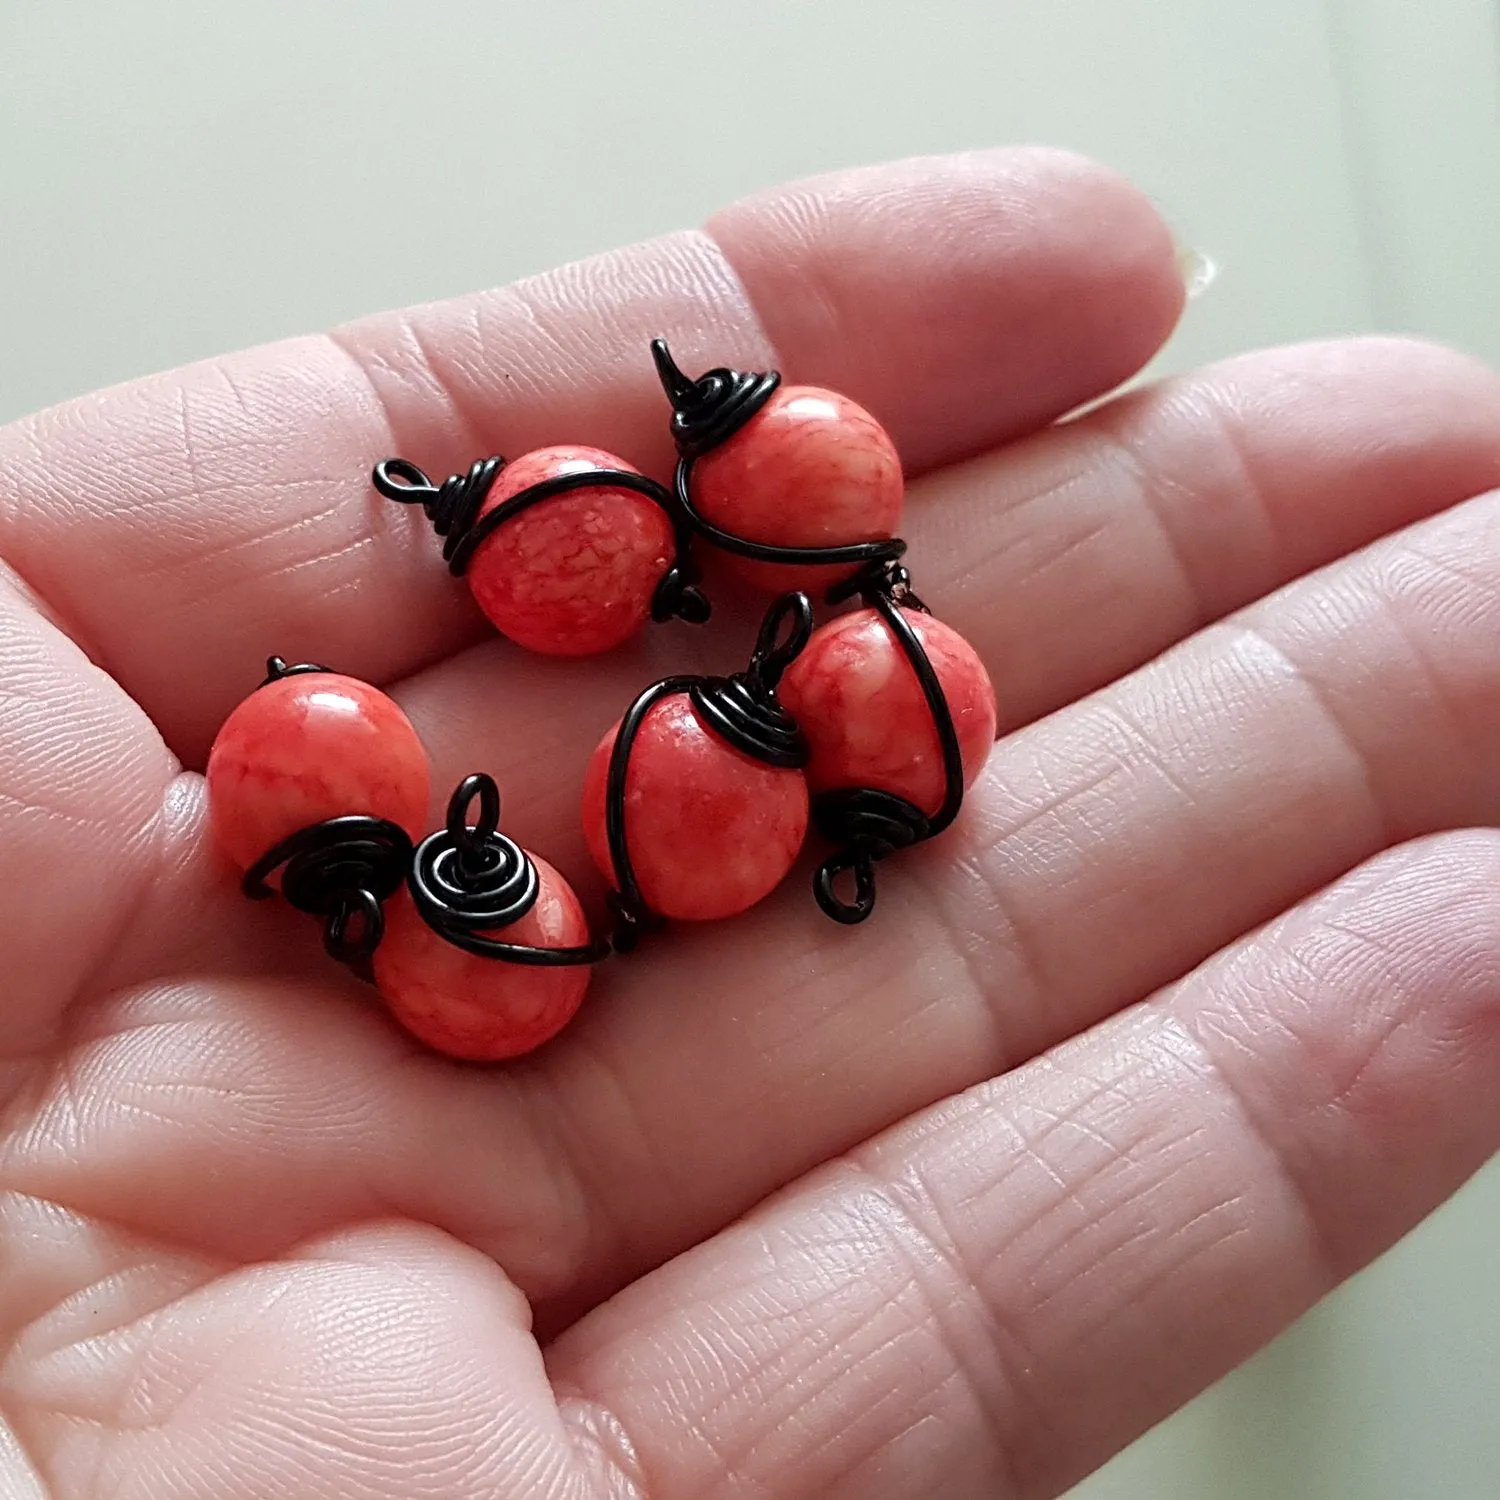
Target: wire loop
{"points": [[468, 880]]}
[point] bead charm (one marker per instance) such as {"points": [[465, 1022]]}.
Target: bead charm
{"points": [[799, 486], [312, 744], [487, 954], [862, 710], [695, 805], [899, 716], [568, 550], [316, 785]]}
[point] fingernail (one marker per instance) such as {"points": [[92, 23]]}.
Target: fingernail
{"points": [[1199, 271]]}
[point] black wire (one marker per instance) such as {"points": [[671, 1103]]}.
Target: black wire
{"points": [[634, 918], [277, 668]]}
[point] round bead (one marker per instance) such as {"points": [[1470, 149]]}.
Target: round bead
{"points": [[307, 748], [574, 574], [867, 723], [810, 469], [710, 829], [484, 1009]]}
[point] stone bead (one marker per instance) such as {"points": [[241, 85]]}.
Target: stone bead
{"points": [[710, 829], [484, 1009], [307, 748], [575, 574], [861, 707], [811, 469]]}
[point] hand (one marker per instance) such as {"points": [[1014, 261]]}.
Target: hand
{"points": [[1195, 1011]]}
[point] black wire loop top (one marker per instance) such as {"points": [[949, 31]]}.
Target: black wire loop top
{"points": [[277, 668], [469, 879], [709, 411], [743, 710], [341, 870], [864, 823], [454, 508]]}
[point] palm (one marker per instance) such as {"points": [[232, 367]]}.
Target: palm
{"points": [[258, 1245]]}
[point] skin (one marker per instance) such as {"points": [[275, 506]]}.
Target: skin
{"points": [[1194, 1012]]}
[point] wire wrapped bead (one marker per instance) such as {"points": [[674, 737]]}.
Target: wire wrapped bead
{"points": [[694, 805]]}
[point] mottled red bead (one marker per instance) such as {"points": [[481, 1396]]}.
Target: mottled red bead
{"points": [[860, 705], [484, 1009], [306, 748], [810, 469], [710, 829], [574, 574]]}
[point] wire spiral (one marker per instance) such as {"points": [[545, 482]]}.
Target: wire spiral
{"points": [[711, 409], [341, 870], [866, 825], [469, 879], [744, 709], [453, 506]]}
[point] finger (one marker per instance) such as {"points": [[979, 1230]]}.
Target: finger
{"points": [[1072, 558], [187, 525], [816, 261], [1108, 850], [84, 816], [999, 1294], [381, 1361]]}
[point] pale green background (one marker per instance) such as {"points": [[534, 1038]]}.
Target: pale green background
{"points": [[179, 178]]}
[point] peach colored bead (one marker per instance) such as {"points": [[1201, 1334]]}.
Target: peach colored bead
{"points": [[859, 704], [810, 469], [484, 1009], [710, 829], [574, 574], [307, 748]]}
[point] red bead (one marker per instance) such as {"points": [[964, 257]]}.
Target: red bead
{"points": [[860, 705], [310, 747], [574, 574], [484, 1009], [810, 469], [710, 830]]}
